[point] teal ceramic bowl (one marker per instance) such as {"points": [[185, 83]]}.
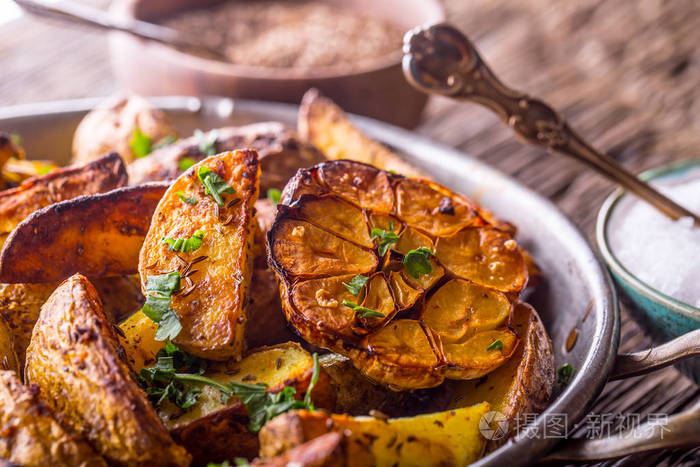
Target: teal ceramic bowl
{"points": [[663, 316]]}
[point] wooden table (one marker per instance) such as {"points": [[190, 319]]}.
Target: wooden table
{"points": [[626, 73]]}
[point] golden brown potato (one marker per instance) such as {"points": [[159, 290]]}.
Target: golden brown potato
{"points": [[436, 304], [8, 150], [325, 451], [523, 385], [212, 306], [110, 127], [214, 431], [31, 435], [443, 438], [279, 150], [96, 235], [8, 356], [101, 175], [74, 358], [20, 305]]}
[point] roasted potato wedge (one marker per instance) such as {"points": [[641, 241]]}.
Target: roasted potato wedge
{"points": [[20, 305], [440, 298], [322, 123], [214, 431], [279, 151], [523, 385], [96, 235], [212, 307], [8, 150], [74, 358], [8, 356], [327, 450], [443, 438], [111, 125], [103, 174], [31, 435]]}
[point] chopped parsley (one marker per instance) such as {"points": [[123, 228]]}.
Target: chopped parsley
{"points": [[186, 163], [214, 185], [417, 262], [274, 195], [185, 245], [364, 312], [167, 141], [564, 373], [356, 284], [159, 289], [385, 238], [189, 200], [496, 345], [140, 143], [206, 141]]}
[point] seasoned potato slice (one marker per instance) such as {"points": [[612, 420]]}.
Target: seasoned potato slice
{"points": [[8, 357], [216, 275], [442, 438], [74, 359], [97, 235], [325, 451], [402, 276], [103, 174], [280, 153], [523, 385], [31, 435]]}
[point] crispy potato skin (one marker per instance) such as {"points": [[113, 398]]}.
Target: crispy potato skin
{"points": [[103, 174], [96, 235], [20, 305], [212, 307], [522, 385], [110, 127], [279, 150], [74, 358], [31, 435], [325, 451], [8, 356], [437, 439]]}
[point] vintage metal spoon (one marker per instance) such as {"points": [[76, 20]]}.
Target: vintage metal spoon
{"points": [[82, 15], [439, 59]]}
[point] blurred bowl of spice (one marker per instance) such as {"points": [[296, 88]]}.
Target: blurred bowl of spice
{"points": [[277, 49], [654, 260]]}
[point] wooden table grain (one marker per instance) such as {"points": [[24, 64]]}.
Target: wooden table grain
{"points": [[626, 73]]}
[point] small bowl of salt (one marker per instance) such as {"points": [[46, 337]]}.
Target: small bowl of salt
{"points": [[655, 261]]}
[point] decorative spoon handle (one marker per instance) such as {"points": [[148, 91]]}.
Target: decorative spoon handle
{"points": [[439, 59]]}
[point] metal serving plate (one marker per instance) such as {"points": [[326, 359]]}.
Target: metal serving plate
{"points": [[576, 291]]}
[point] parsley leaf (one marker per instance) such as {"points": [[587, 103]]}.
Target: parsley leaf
{"points": [[185, 163], [274, 195], [564, 373], [159, 289], [167, 141], [140, 143], [496, 345], [385, 238], [356, 284], [362, 311], [417, 262], [189, 200], [185, 245], [206, 141], [214, 185]]}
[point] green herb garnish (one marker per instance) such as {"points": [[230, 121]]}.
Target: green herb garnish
{"points": [[385, 238], [206, 141], [274, 195], [356, 284], [140, 143], [417, 262], [167, 141], [159, 289], [186, 163], [564, 373], [214, 185], [16, 139], [362, 311], [185, 245], [496, 345], [189, 200]]}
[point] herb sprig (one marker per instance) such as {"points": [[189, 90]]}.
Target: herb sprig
{"points": [[187, 199], [274, 195], [214, 185], [185, 245], [417, 262], [564, 373], [185, 163], [364, 312], [140, 143], [356, 283], [206, 141], [496, 345], [386, 239], [159, 290]]}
